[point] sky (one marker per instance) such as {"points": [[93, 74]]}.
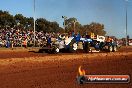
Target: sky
{"points": [[111, 13]]}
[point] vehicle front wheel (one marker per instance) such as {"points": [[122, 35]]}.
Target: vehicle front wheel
{"points": [[55, 50], [86, 47]]}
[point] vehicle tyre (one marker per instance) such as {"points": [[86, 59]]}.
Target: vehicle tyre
{"points": [[55, 50], [72, 46], [49, 51], [114, 48], [86, 47]]}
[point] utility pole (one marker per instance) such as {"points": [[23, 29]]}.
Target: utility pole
{"points": [[74, 24], [64, 17], [34, 23], [126, 21]]}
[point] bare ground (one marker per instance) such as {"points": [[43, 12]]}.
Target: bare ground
{"points": [[20, 68]]}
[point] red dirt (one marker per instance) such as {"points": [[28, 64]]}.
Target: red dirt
{"points": [[24, 69]]}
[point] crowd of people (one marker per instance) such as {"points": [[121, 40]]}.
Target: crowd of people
{"points": [[18, 37], [15, 37]]}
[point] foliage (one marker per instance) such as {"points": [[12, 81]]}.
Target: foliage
{"points": [[96, 28], [73, 25], [27, 23]]}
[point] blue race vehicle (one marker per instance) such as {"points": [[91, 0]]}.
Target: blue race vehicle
{"points": [[76, 43]]}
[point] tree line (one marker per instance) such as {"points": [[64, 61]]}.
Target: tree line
{"points": [[26, 23]]}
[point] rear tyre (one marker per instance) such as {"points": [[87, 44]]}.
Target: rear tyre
{"points": [[72, 46], [86, 47], [114, 48]]}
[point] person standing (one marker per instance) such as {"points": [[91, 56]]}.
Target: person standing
{"points": [[12, 44], [25, 43]]}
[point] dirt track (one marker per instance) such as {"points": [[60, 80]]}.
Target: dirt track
{"points": [[24, 69]]}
